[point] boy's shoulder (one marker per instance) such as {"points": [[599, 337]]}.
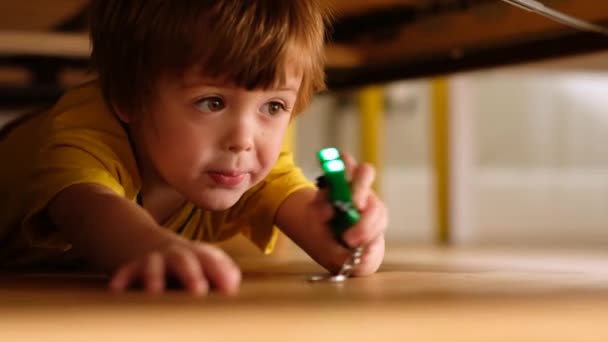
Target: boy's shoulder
{"points": [[83, 107]]}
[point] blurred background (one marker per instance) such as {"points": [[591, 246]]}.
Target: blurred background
{"points": [[487, 123]]}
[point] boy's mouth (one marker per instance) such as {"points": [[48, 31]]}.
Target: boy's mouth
{"points": [[227, 179]]}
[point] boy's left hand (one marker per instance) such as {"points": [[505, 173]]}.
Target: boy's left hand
{"points": [[369, 231]]}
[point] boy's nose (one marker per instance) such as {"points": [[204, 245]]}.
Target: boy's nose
{"points": [[240, 147], [239, 136]]}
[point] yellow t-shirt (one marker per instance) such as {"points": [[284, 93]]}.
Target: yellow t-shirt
{"points": [[80, 141]]}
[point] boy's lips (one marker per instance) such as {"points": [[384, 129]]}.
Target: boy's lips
{"points": [[227, 178]]}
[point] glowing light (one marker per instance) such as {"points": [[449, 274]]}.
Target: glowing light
{"points": [[335, 165], [330, 153]]}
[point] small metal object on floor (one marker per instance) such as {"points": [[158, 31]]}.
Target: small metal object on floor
{"points": [[347, 268]]}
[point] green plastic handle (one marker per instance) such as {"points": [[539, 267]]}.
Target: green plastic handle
{"points": [[334, 179]]}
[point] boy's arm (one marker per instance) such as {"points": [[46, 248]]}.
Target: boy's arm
{"points": [[106, 228], [119, 236]]}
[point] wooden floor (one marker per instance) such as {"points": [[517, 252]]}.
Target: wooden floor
{"points": [[421, 294]]}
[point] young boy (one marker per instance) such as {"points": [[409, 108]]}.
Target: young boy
{"points": [[178, 144]]}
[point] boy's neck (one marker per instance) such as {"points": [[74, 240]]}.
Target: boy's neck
{"points": [[161, 201]]}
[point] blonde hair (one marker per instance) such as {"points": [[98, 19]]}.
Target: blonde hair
{"points": [[247, 42]]}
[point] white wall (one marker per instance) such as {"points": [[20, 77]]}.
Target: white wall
{"points": [[542, 168]]}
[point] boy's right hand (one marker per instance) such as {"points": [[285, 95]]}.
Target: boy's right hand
{"points": [[197, 266]]}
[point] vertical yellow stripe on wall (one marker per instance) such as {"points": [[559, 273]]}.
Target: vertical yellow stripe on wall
{"points": [[441, 161], [371, 111]]}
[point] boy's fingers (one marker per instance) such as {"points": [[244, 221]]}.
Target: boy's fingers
{"points": [[124, 276], [219, 268], [361, 177], [349, 163], [364, 231], [362, 181], [374, 247], [186, 267], [371, 225], [154, 273]]}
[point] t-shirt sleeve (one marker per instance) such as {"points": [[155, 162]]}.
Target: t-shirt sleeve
{"points": [[65, 161], [260, 204]]}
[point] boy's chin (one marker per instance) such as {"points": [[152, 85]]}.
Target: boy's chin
{"points": [[217, 202]]}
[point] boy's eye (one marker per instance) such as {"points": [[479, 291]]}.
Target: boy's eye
{"points": [[210, 104], [273, 108]]}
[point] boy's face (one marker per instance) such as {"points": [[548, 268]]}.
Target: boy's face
{"points": [[212, 141]]}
